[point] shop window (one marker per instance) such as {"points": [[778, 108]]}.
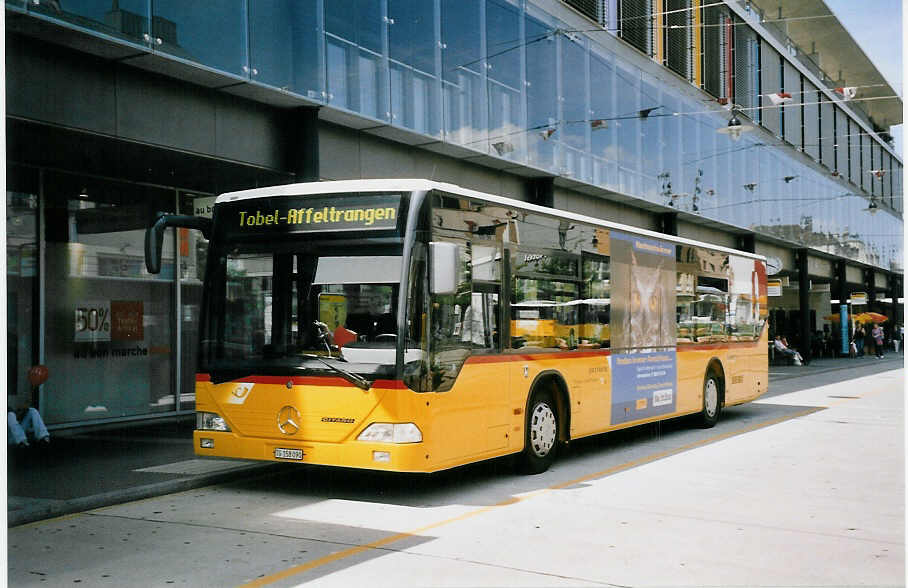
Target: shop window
{"points": [[21, 283], [109, 328]]}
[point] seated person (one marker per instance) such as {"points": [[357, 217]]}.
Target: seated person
{"points": [[31, 426], [26, 421], [781, 346]]}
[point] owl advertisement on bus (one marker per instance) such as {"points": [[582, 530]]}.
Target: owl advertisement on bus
{"points": [[644, 364]]}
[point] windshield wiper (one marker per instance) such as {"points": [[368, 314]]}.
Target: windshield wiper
{"points": [[355, 379]]}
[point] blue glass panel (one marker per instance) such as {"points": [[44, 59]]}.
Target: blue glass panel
{"points": [[627, 121], [705, 163], [126, 19], [357, 21], [542, 92], [503, 42], [462, 72], [603, 128], [503, 48], [866, 165], [211, 33], [854, 163], [575, 129], [652, 144], [414, 52], [412, 35], [357, 72], [286, 45]]}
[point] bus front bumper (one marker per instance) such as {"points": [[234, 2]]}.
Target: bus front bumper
{"points": [[397, 457]]}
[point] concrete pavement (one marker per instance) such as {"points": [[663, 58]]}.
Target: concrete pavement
{"points": [[805, 487], [85, 470]]}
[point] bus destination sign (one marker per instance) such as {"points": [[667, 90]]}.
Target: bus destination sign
{"points": [[324, 213]]}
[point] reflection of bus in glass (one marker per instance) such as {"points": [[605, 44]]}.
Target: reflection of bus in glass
{"points": [[410, 325]]}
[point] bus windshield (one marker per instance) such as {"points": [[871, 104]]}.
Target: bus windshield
{"points": [[268, 309]]}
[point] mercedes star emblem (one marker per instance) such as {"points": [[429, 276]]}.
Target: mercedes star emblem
{"points": [[288, 420]]}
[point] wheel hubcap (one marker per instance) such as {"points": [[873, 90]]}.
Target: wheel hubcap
{"points": [[542, 429], [711, 400]]}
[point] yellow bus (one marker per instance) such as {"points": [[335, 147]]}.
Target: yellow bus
{"points": [[414, 326]]}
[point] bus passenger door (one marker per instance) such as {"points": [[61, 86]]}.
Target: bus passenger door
{"points": [[487, 330], [471, 409]]}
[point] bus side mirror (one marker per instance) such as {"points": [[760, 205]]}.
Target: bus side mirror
{"points": [[445, 263], [154, 235]]}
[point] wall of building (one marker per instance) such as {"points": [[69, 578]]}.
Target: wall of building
{"points": [[61, 87], [345, 154]]}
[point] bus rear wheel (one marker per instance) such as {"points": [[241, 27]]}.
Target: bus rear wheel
{"points": [[541, 441], [709, 415]]}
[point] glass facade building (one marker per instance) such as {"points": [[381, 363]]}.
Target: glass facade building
{"points": [[624, 99]]}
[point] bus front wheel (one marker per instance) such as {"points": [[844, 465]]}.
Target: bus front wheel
{"points": [[541, 441], [709, 416]]}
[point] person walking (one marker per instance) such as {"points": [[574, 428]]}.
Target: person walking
{"points": [[859, 335], [877, 334]]}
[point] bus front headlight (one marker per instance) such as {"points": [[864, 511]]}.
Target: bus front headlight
{"points": [[210, 421], [391, 433]]}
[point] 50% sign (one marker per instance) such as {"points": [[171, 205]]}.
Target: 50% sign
{"points": [[92, 321]]}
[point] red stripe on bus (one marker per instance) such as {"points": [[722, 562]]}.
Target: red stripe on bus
{"points": [[307, 381], [710, 346], [536, 356]]}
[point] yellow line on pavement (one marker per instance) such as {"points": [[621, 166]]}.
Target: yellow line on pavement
{"points": [[292, 571], [380, 543]]}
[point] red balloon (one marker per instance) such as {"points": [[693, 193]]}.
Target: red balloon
{"points": [[37, 375]]}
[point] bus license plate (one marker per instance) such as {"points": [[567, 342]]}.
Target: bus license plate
{"points": [[282, 453]]}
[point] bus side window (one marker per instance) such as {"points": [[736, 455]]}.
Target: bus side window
{"points": [[711, 309], [481, 317], [684, 296], [450, 325], [596, 303]]}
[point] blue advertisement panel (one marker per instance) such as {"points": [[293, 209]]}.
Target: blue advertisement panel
{"points": [[843, 324], [643, 327], [643, 385]]}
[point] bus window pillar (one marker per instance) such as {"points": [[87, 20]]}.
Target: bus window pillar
{"points": [[804, 305]]}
